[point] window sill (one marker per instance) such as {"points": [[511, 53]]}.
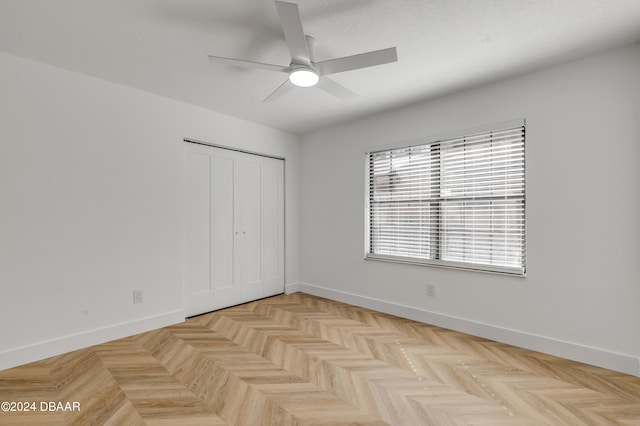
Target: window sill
{"points": [[472, 267]]}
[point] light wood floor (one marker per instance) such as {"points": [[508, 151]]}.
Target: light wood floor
{"points": [[299, 359]]}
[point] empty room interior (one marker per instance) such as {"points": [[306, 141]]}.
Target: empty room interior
{"points": [[332, 212]]}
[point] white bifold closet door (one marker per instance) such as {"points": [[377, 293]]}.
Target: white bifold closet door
{"points": [[234, 227]]}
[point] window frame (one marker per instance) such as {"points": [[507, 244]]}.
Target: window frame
{"points": [[433, 140]]}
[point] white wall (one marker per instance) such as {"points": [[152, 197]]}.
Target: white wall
{"points": [[581, 296], [91, 206]]}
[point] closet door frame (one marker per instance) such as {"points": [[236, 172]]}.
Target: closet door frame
{"points": [[267, 286]]}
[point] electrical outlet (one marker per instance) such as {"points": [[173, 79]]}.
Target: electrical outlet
{"points": [[137, 296], [431, 290]]}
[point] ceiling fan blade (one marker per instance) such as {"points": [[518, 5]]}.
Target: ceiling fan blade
{"points": [[280, 91], [248, 64], [293, 32], [336, 89], [363, 60]]}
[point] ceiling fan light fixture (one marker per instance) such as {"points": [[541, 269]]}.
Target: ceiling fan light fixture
{"points": [[304, 77]]}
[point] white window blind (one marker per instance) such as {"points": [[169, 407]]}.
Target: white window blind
{"points": [[457, 202]]}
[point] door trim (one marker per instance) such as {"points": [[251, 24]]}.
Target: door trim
{"points": [[284, 213]]}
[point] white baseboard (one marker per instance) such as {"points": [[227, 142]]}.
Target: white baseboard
{"points": [[623, 363], [292, 288], [41, 350]]}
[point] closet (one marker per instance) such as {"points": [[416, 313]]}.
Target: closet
{"points": [[234, 227]]}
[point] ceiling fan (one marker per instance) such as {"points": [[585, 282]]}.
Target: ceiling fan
{"points": [[303, 70]]}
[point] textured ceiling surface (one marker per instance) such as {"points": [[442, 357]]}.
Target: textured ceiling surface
{"points": [[161, 46]]}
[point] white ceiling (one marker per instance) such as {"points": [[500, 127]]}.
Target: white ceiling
{"points": [[161, 46]]}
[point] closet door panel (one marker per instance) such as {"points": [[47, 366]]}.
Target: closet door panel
{"points": [[249, 191], [222, 218], [273, 226], [198, 197]]}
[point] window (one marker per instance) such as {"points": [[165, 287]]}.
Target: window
{"points": [[456, 202]]}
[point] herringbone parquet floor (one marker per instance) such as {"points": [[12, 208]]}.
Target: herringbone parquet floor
{"points": [[302, 360]]}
